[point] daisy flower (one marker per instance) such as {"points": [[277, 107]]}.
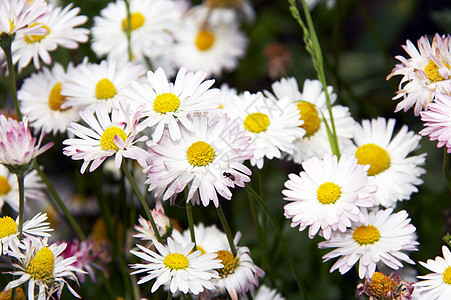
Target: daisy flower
{"points": [[177, 267], [207, 159], [167, 104], [164, 224], [427, 69], [89, 83], [381, 286], [272, 125], [9, 233], [224, 99], [40, 100], [436, 285], [44, 268], [265, 293], [312, 107], [209, 239], [85, 255], [18, 17], [387, 156], [329, 195], [151, 22], [210, 47], [60, 24], [383, 237], [106, 136]]}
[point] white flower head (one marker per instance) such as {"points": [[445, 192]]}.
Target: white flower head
{"points": [[18, 17], [163, 223]]}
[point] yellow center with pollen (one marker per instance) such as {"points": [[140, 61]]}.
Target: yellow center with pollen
{"points": [[432, 73], [8, 294], [32, 38], [375, 156], [229, 261], [366, 235], [176, 261], [7, 227], [309, 115], [205, 39], [328, 193], [5, 187], [42, 264], [107, 138], [256, 122], [55, 97], [381, 285], [200, 154], [105, 89], [136, 20], [166, 102], [447, 275]]}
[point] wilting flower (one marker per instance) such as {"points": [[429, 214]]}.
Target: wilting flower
{"points": [[85, 255], [163, 223], [383, 287]]}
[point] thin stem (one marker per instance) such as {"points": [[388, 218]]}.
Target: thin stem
{"points": [[6, 46], [20, 183], [225, 226], [141, 198], [189, 213], [128, 31], [70, 219]]}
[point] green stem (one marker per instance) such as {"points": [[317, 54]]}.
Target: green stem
{"points": [[128, 31], [141, 199], [6, 42], [282, 240], [225, 226], [189, 213], [70, 219], [20, 183]]}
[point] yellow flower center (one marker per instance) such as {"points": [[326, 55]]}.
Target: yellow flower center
{"points": [[176, 261], [8, 294], [107, 138], [375, 156], [309, 115], [366, 234], [32, 38], [55, 97], [256, 122], [432, 73], [42, 264], [105, 89], [229, 261], [447, 275], [7, 227], [200, 154], [136, 21], [5, 187], [381, 285], [328, 193], [205, 40], [166, 102]]}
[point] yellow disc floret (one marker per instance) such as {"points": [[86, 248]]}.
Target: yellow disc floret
{"points": [[136, 20], [381, 285], [309, 115], [328, 193], [107, 138], [166, 102], [6, 295], [105, 89], [200, 154], [176, 261], [5, 187], [432, 73], [366, 235], [375, 156], [7, 227], [55, 97], [229, 261], [205, 40], [256, 122], [34, 38], [42, 264], [447, 275]]}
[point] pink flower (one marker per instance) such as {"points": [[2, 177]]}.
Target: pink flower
{"points": [[164, 224], [436, 121], [85, 255]]}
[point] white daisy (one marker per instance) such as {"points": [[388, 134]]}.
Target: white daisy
{"points": [[436, 285], [177, 267], [388, 159], [209, 239], [90, 83], [17, 17], [272, 125], [328, 195], [311, 105], [208, 160], [266, 293], [44, 268], [60, 24], [383, 237], [41, 100], [224, 99], [106, 136], [167, 104]]}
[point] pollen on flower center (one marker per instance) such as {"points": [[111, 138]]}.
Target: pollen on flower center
{"points": [[200, 154], [309, 115], [447, 275], [176, 261], [105, 89], [205, 40], [107, 138], [366, 234], [166, 102], [7, 227], [256, 122], [42, 264], [381, 285], [229, 261], [432, 73], [7, 295], [55, 97], [32, 38], [136, 21], [5, 187], [328, 193], [375, 156]]}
